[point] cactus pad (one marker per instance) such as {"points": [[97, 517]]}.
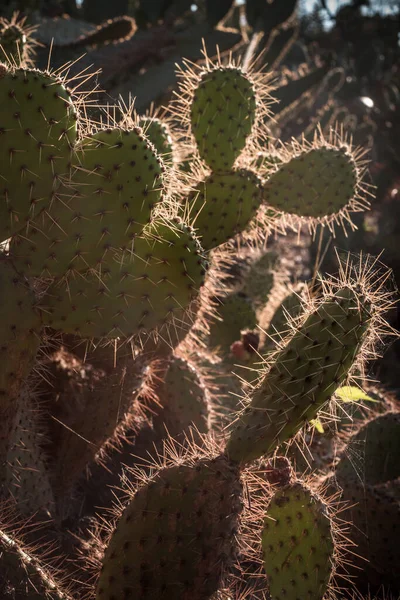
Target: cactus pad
{"points": [[37, 129], [117, 179], [379, 439], [223, 204], [305, 374], [19, 331], [184, 399], [297, 543], [175, 538], [223, 112], [235, 313], [138, 292], [316, 183]]}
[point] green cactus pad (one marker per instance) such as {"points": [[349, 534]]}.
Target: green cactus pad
{"points": [[235, 313], [137, 292], [117, 179], [37, 129], [305, 374], [184, 399], [223, 204], [176, 537], [297, 543], [159, 135], [223, 112], [316, 183]]}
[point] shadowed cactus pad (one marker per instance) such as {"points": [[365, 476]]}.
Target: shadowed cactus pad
{"points": [[379, 439], [235, 313], [137, 292], [37, 129], [184, 399], [316, 183], [223, 112], [304, 375], [117, 179], [23, 575], [12, 42], [297, 543], [19, 330], [223, 204], [176, 536]]}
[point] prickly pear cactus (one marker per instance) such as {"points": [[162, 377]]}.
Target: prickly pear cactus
{"points": [[298, 544], [234, 314], [368, 476], [223, 204], [380, 442], [38, 129], [200, 503], [316, 182], [304, 375], [138, 292], [117, 179], [12, 44], [222, 115]]}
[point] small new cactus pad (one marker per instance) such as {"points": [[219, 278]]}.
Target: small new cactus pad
{"points": [[12, 44], [298, 545], [317, 183], [184, 399], [176, 536], [223, 204], [135, 293], [303, 376], [37, 129], [159, 135], [235, 313], [117, 179], [379, 442], [23, 575], [223, 112]]}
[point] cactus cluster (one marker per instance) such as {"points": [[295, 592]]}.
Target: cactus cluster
{"points": [[149, 329]]}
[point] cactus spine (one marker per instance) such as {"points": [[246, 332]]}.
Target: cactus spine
{"points": [[306, 372]]}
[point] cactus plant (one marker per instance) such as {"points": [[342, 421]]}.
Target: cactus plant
{"points": [[319, 182], [142, 291], [116, 180], [38, 127]]}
